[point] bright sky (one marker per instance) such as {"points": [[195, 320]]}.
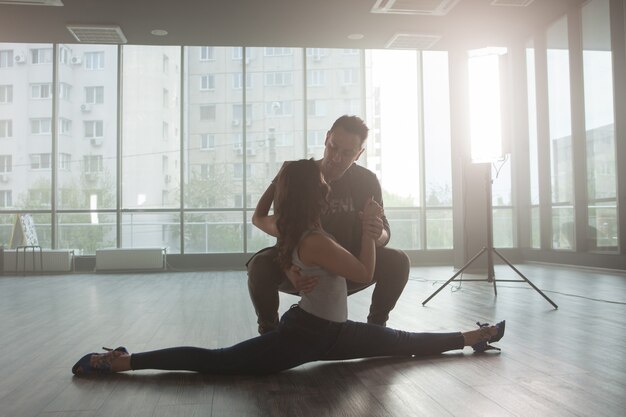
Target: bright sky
{"points": [[395, 74]]}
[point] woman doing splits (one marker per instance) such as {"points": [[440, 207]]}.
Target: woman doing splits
{"points": [[317, 327]]}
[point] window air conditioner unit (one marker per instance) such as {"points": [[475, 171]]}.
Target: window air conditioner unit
{"points": [[167, 178], [4, 177], [76, 60], [85, 108], [19, 58], [96, 142], [236, 122]]}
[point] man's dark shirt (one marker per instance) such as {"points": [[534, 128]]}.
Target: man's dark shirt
{"points": [[346, 199]]}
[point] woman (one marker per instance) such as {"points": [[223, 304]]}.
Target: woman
{"points": [[317, 327]]}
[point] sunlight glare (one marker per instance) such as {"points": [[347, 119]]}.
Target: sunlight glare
{"points": [[484, 102], [93, 205]]}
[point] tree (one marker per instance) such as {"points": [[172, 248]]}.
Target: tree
{"points": [[218, 233], [75, 230]]}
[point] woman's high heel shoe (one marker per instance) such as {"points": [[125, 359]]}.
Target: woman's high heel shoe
{"points": [[97, 363], [484, 345]]}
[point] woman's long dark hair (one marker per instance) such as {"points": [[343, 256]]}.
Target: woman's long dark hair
{"points": [[300, 196]]}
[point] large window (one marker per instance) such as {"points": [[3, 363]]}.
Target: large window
{"points": [[393, 151], [560, 125], [148, 112], [87, 179], [600, 127], [244, 113], [486, 67], [595, 145], [437, 151], [205, 130], [533, 147]]}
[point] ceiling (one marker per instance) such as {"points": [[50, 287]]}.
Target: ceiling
{"points": [[286, 23]]}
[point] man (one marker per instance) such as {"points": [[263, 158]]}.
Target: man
{"points": [[350, 187]]}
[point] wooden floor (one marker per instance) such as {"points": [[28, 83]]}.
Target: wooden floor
{"points": [[565, 362]]}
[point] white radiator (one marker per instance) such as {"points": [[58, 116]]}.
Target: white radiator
{"points": [[124, 259], [52, 260]]}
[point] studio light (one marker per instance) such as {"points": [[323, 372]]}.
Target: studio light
{"points": [[485, 112]]}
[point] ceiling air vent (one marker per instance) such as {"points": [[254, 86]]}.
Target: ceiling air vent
{"points": [[515, 3], [418, 41], [97, 34], [33, 2], [423, 7]]}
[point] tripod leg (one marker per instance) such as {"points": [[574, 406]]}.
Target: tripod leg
{"points": [[526, 279], [460, 271], [491, 275]]}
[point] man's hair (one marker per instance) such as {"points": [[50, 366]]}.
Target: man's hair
{"points": [[352, 124]]}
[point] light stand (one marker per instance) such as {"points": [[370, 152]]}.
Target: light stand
{"points": [[490, 250]]}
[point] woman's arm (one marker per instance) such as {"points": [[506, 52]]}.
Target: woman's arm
{"points": [[261, 217], [320, 250]]}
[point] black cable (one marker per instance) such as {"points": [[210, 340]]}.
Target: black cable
{"points": [[600, 300]]}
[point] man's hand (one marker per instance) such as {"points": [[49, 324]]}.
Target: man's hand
{"points": [[373, 227], [372, 219], [300, 283]]}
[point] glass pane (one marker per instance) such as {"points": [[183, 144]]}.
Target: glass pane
{"points": [[437, 148], [393, 150], [503, 214], [334, 81], [25, 126], [501, 189], [87, 126], [151, 126], [276, 131], [41, 224], [439, 229], [485, 113], [503, 228], [535, 228], [532, 124], [214, 232], [601, 168], [599, 114], [405, 228], [86, 232], [216, 122], [559, 112], [603, 232], [564, 231], [6, 229], [150, 230], [257, 239]]}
